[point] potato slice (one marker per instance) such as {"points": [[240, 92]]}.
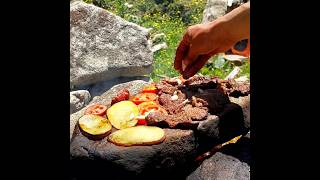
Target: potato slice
{"points": [[138, 135], [94, 126], [123, 114]]}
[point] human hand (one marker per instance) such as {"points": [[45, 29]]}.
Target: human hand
{"points": [[202, 41], [199, 43]]}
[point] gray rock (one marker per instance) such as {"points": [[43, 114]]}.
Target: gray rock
{"points": [[78, 99], [101, 87], [104, 46], [224, 125], [175, 155], [244, 102], [214, 9], [178, 147], [217, 8], [221, 167], [157, 47], [158, 38], [231, 163]]}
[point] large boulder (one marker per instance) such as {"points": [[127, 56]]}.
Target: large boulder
{"points": [[175, 155], [104, 46]]}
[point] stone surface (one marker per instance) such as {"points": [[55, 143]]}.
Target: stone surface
{"points": [[101, 87], [214, 9], [159, 46], [174, 156], [133, 86], [244, 102], [232, 163], [177, 149], [217, 8], [104, 46], [79, 99]]}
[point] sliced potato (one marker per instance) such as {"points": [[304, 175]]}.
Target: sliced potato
{"points": [[123, 114], [94, 126], [138, 135]]}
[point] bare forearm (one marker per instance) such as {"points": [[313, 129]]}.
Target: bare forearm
{"points": [[237, 22]]}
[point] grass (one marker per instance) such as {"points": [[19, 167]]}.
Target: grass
{"points": [[171, 17]]}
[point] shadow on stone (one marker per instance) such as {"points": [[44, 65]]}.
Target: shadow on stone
{"points": [[241, 150]]}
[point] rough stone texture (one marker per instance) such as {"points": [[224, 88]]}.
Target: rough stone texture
{"points": [[174, 156], [133, 86], [244, 102], [104, 46], [101, 87], [232, 163], [177, 149], [78, 99], [218, 8], [214, 9]]}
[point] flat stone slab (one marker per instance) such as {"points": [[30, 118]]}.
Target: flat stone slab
{"points": [[175, 155]]}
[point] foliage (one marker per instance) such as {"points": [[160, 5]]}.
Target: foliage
{"points": [[171, 17]]}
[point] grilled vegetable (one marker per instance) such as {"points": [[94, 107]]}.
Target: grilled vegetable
{"points": [[97, 109], [123, 114], [94, 126], [150, 89], [139, 135], [144, 97]]}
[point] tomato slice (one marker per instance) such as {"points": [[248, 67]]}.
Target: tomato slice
{"points": [[144, 97], [97, 109], [147, 107], [150, 89], [142, 122], [150, 106]]}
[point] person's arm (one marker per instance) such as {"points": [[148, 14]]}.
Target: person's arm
{"points": [[202, 41], [238, 22]]}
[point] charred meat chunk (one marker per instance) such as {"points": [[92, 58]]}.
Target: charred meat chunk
{"points": [[173, 104], [198, 102], [202, 82], [215, 99], [236, 89], [157, 119], [174, 120], [196, 113], [165, 87]]}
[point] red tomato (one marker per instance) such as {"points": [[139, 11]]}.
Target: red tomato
{"points": [[142, 122], [144, 97], [150, 89], [97, 109], [150, 105]]}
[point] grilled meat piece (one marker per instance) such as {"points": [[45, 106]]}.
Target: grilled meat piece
{"points": [[202, 82], [195, 113], [171, 105], [198, 102], [236, 89], [213, 98], [165, 87], [157, 119]]}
